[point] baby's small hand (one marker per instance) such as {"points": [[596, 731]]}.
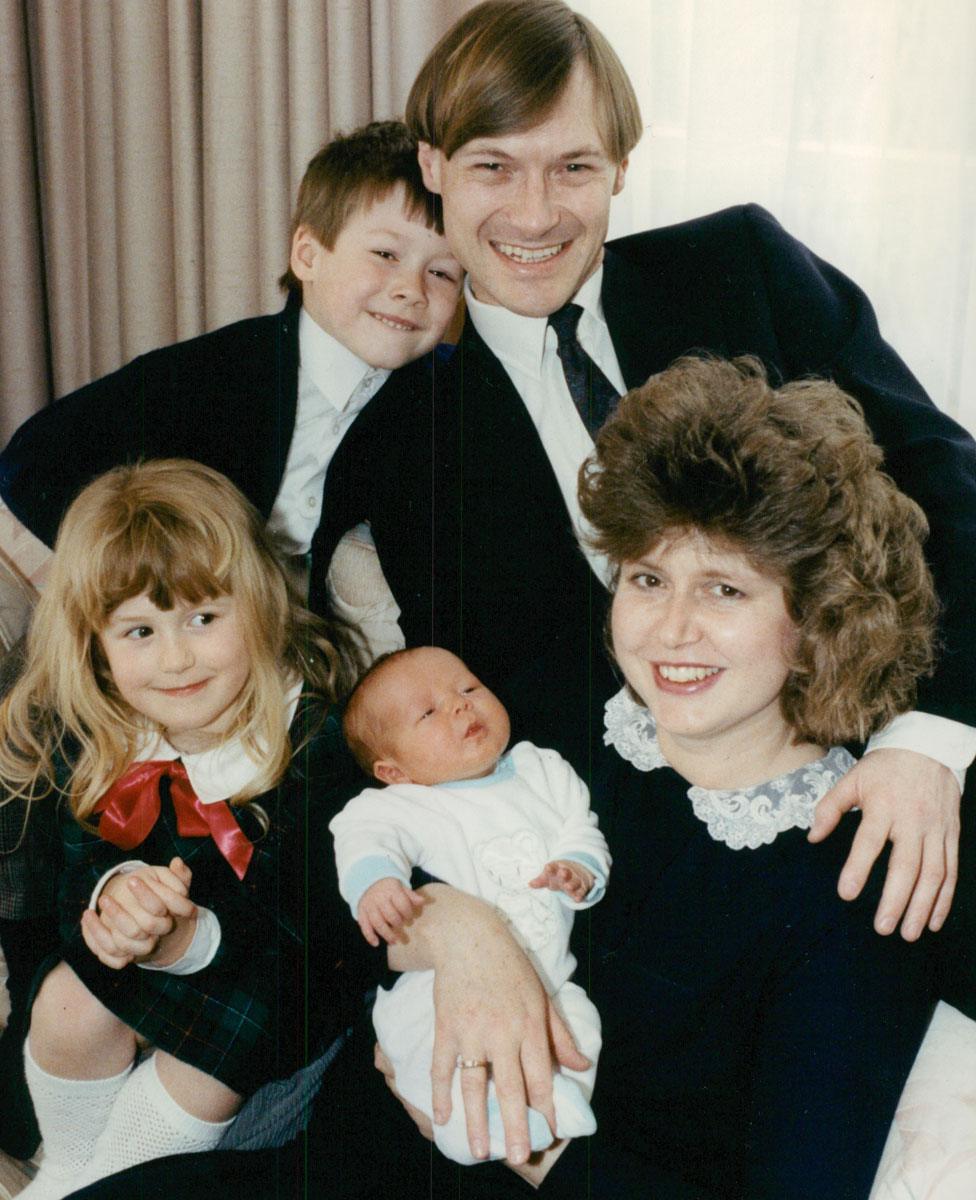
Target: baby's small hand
{"points": [[385, 908], [563, 875]]}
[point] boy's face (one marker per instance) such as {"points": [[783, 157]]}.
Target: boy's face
{"points": [[435, 720], [388, 288], [527, 212]]}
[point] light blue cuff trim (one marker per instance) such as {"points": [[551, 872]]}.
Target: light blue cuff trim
{"points": [[504, 769], [599, 880], [367, 871]]}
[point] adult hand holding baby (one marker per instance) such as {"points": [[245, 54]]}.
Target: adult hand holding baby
{"points": [[490, 1006]]}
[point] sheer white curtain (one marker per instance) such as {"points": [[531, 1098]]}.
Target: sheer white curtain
{"points": [[853, 121]]}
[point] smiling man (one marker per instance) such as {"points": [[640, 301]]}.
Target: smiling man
{"points": [[525, 119]]}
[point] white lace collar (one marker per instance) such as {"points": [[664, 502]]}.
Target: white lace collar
{"points": [[741, 818]]}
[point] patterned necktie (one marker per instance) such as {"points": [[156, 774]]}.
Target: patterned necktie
{"points": [[593, 394], [130, 809]]}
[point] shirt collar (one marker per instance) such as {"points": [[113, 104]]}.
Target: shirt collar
{"points": [[518, 341], [220, 772], [333, 368]]}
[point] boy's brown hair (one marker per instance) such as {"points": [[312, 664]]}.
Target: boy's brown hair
{"points": [[504, 65], [353, 171]]}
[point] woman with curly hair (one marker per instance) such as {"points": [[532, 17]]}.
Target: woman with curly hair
{"points": [[771, 602]]}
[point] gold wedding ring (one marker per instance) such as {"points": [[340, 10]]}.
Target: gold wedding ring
{"points": [[467, 1063]]}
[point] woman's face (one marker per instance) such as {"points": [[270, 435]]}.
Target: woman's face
{"points": [[703, 638]]}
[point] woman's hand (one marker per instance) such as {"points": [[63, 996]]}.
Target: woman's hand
{"points": [[490, 1007]]}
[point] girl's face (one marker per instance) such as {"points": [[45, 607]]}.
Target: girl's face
{"points": [[703, 638], [183, 668]]}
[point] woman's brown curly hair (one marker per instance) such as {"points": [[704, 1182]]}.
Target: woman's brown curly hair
{"points": [[791, 478]]}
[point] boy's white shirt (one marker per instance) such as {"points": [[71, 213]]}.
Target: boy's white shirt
{"points": [[334, 385], [214, 775], [526, 348]]}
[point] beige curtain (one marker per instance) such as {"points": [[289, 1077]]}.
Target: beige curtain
{"points": [[149, 154]]}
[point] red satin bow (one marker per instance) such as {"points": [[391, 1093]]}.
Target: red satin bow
{"points": [[130, 808]]}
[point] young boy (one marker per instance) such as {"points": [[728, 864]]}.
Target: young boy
{"points": [[372, 286], [515, 829]]}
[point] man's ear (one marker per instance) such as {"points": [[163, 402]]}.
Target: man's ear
{"points": [[618, 183], [431, 165], [388, 772], [305, 250]]}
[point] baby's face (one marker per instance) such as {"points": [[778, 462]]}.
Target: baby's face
{"points": [[437, 721]]}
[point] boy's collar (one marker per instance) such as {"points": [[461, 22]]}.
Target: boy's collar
{"points": [[333, 368]]}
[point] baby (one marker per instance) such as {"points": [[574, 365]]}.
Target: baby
{"points": [[513, 828]]}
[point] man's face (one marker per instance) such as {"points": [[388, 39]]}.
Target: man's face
{"points": [[526, 213]]}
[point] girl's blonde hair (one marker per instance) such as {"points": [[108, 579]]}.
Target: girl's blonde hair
{"points": [[174, 530]]}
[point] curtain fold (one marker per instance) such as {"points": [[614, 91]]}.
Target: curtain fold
{"points": [[24, 373], [150, 151]]}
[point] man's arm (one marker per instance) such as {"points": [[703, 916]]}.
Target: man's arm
{"points": [[825, 325]]}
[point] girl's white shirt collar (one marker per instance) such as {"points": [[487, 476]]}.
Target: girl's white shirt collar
{"points": [[221, 771], [742, 818]]}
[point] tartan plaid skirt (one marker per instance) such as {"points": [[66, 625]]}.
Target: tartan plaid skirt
{"points": [[244, 1019]]}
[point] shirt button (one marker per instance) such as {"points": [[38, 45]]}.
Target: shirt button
{"points": [[310, 501]]}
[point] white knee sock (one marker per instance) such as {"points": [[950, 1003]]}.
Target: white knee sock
{"points": [[146, 1122], [71, 1114]]}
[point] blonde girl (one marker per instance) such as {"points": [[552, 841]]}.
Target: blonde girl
{"points": [[175, 705]]}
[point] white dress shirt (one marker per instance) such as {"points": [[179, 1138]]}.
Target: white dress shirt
{"points": [[526, 348], [333, 386]]}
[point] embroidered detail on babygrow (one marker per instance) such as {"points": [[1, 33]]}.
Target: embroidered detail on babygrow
{"points": [[511, 861], [742, 818]]}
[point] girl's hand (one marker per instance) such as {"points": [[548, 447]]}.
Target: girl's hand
{"points": [[136, 910], [564, 875], [102, 942], [159, 889]]}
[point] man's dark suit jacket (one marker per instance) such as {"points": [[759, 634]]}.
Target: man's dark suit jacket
{"points": [[472, 531]]}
